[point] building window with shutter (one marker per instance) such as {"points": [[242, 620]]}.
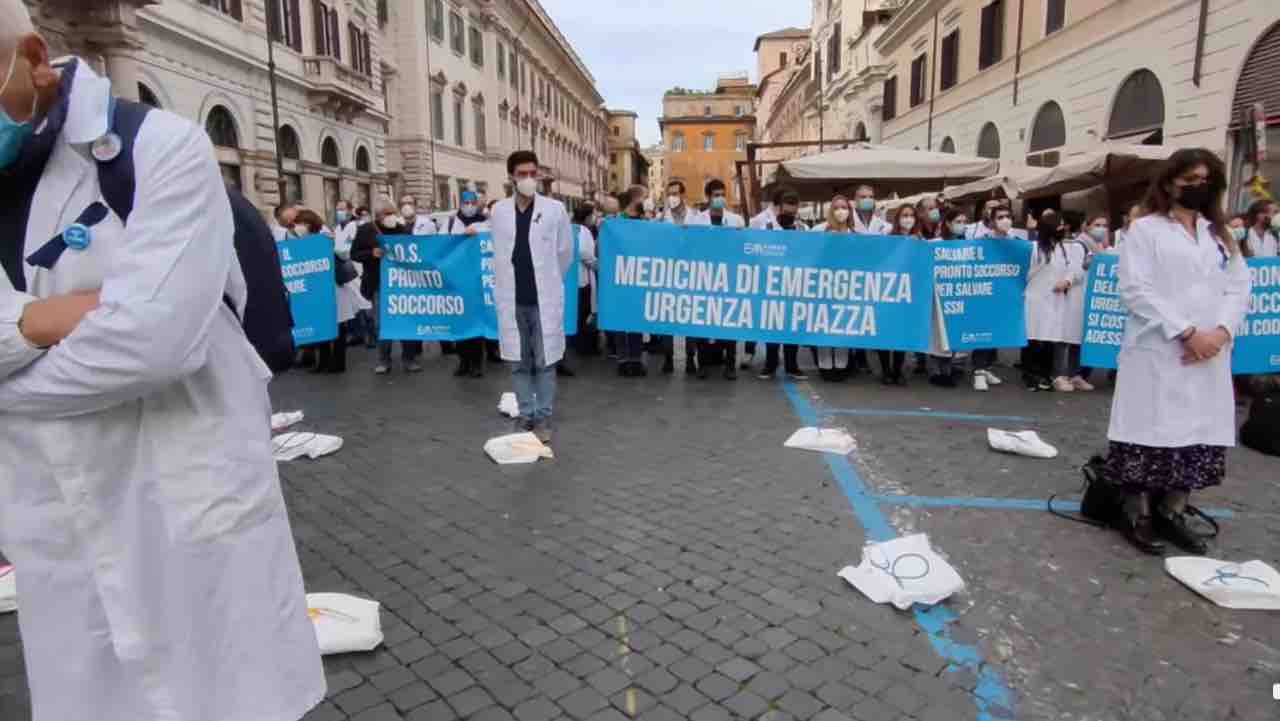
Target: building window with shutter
{"points": [[708, 143], [226, 7], [477, 47], [890, 109], [991, 37], [677, 143], [435, 19], [512, 63], [782, 60], [286, 23], [950, 59], [833, 52], [740, 143], [437, 113], [459, 137], [328, 43], [457, 34], [1055, 16], [479, 127], [502, 62], [919, 79]]}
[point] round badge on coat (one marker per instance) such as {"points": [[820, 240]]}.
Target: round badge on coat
{"points": [[107, 148], [77, 236]]}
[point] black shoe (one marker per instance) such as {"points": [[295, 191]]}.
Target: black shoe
{"points": [[899, 380], [1143, 536], [942, 381], [886, 380], [730, 373], [690, 368], [564, 371], [919, 370], [477, 371], [668, 366], [464, 370], [624, 370], [639, 370], [1173, 528], [701, 372], [767, 374]]}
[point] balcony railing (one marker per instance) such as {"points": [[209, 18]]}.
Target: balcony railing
{"points": [[343, 89]]}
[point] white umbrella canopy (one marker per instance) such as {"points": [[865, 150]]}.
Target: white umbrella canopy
{"points": [[1011, 179], [1111, 165], [889, 170]]}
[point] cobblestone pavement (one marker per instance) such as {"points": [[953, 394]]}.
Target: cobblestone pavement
{"points": [[676, 562]]}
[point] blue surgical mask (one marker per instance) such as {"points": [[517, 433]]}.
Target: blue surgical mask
{"points": [[1098, 233], [13, 135], [342, 216], [867, 205], [1238, 234], [717, 203], [934, 215]]}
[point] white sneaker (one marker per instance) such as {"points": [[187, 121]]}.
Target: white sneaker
{"points": [[1081, 384], [1025, 443], [992, 378], [1062, 385], [980, 382]]}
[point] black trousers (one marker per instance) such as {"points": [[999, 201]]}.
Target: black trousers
{"points": [[331, 357], [471, 352], [587, 341], [789, 356], [891, 362]]}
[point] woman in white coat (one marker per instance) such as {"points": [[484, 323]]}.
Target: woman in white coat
{"points": [[1056, 268], [1173, 416], [140, 496], [834, 364]]}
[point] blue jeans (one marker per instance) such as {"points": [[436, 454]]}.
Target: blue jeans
{"points": [[533, 378]]}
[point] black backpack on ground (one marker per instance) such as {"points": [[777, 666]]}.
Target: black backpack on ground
{"points": [[267, 321], [1261, 431]]}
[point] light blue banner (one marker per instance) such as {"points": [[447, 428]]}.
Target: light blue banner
{"points": [[1104, 313], [431, 288], [307, 266], [488, 280], [980, 284], [1257, 347], [1257, 344], [771, 286]]}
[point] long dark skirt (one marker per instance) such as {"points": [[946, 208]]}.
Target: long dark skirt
{"points": [[1146, 469]]}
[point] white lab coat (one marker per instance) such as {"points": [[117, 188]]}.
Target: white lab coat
{"points": [[140, 498], [875, 226], [350, 301], [729, 219], [457, 227], [1074, 328], [1264, 246], [424, 225], [1170, 282], [551, 243], [690, 215], [768, 220], [586, 255], [1049, 313]]}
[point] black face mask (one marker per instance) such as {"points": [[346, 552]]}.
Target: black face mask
{"points": [[1196, 197], [787, 220]]}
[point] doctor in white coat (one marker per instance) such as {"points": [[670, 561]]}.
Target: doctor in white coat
{"points": [[1057, 270], [1187, 289], [140, 497], [532, 250]]}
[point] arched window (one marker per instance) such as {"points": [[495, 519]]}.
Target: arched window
{"points": [[1138, 111], [1048, 131], [221, 128], [860, 132], [989, 142], [329, 153], [362, 160], [147, 97], [948, 145], [288, 144]]}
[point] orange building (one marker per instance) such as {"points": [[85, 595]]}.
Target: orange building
{"points": [[705, 132]]}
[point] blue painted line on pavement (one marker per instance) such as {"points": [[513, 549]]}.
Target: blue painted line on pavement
{"points": [[992, 694], [1010, 504], [941, 415]]}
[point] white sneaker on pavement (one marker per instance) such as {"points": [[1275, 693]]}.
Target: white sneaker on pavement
{"points": [[1081, 384], [1061, 384], [381, 369], [992, 378], [980, 382]]}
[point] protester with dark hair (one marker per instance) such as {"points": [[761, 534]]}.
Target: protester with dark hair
{"points": [[719, 215], [344, 237], [954, 223], [1263, 219], [585, 342], [1057, 266], [1187, 288], [630, 346], [331, 355], [677, 212], [368, 251], [532, 250], [786, 205], [905, 223]]}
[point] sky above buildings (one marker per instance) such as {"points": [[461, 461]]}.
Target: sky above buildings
{"points": [[638, 49]]}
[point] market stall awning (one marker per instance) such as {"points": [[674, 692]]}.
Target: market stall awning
{"points": [[890, 170], [1110, 165], [1009, 182]]}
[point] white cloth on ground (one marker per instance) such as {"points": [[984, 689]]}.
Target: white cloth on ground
{"points": [[903, 571], [824, 440], [1022, 443], [516, 448], [1253, 585], [290, 446], [344, 624], [284, 419]]}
